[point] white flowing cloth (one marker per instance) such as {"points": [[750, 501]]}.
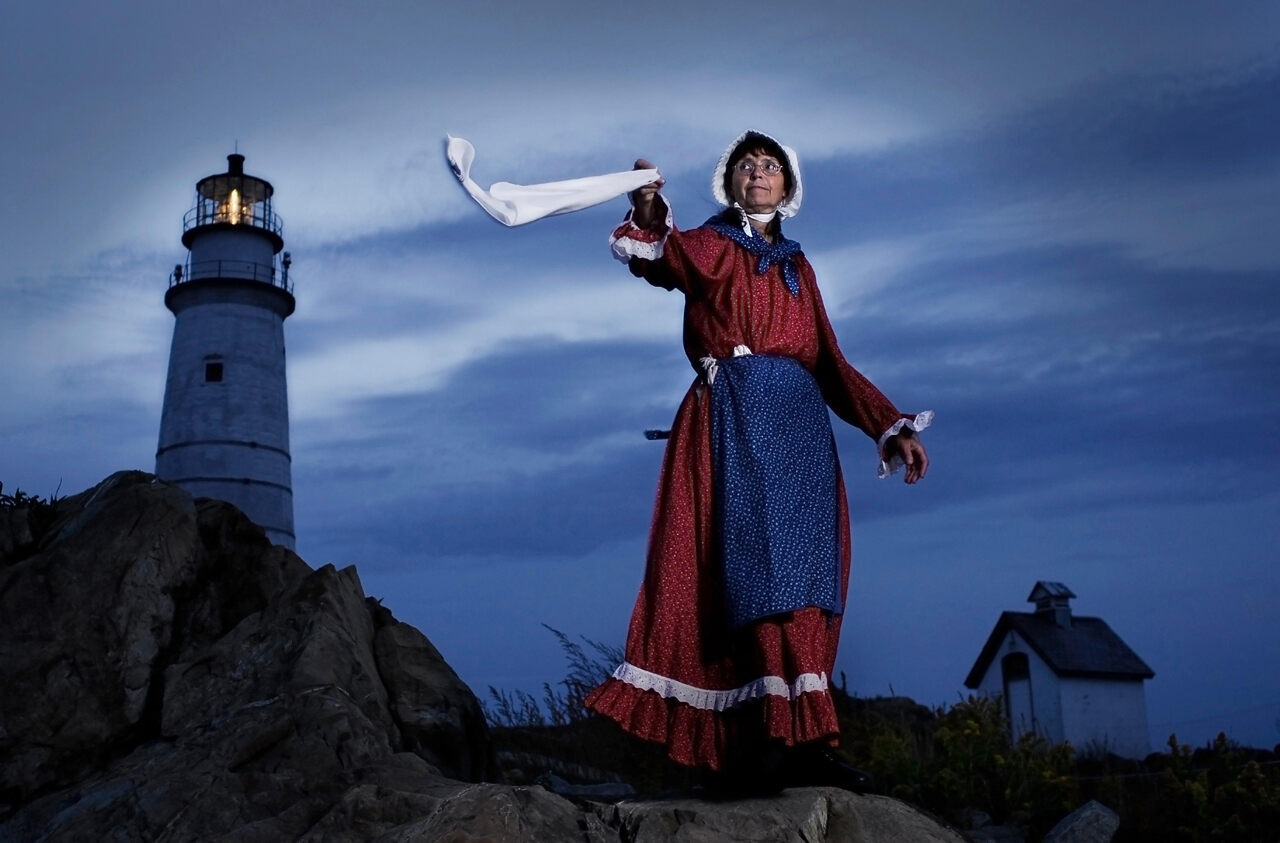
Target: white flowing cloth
{"points": [[517, 204]]}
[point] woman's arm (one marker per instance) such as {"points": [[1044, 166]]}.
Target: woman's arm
{"points": [[857, 401], [640, 242], [654, 249], [642, 200]]}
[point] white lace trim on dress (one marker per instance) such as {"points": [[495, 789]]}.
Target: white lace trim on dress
{"points": [[709, 700], [923, 419], [624, 248]]}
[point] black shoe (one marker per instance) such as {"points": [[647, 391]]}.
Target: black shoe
{"points": [[820, 766], [731, 786], [747, 775]]}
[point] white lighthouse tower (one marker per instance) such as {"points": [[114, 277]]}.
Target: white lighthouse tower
{"points": [[224, 430]]}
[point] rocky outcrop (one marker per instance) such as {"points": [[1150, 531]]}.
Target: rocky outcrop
{"points": [[1092, 822], [167, 674], [802, 814], [165, 667]]}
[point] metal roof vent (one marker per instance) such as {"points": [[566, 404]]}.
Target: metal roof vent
{"points": [[1052, 598]]}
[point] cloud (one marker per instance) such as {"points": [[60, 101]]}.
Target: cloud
{"points": [[1073, 378], [85, 339], [535, 450], [1177, 169]]}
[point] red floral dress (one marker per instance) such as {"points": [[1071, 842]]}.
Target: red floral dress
{"points": [[690, 681]]}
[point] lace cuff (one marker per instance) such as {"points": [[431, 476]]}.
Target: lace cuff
{"points": [[631, 241], [922, 420]]}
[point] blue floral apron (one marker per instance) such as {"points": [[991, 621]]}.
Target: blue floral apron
{"points": [[775, 474]]}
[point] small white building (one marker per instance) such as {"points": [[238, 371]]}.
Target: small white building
{"points": [[1067, 678]]}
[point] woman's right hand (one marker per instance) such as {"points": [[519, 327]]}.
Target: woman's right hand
{"points": [[642, 199]]}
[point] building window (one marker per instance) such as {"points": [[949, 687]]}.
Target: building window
{"points": [[213, 372]]}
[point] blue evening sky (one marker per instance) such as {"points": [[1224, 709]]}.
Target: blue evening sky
{"points": [[1052, 223]]}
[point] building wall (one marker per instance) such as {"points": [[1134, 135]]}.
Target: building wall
{"points": [[229, 439], [1045, 697], [233, 245], [1106, 715]]}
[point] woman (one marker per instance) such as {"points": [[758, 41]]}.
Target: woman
{"points": [[733, 638]]}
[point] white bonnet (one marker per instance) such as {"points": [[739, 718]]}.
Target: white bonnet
{"points": [[790, 204]]}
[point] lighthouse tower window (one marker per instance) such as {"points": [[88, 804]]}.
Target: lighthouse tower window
{"points": [[213, 371]]}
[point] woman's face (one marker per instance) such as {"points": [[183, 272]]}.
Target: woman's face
{"points": [[754, 188]]}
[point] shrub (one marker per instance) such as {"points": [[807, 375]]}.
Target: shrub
{"points": [[24, 521]]}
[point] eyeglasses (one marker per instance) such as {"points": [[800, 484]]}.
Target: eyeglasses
{"points": [[769, 167]]}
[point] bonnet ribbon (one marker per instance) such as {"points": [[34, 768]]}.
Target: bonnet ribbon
{"points": [[517, 204], [783, 252]]}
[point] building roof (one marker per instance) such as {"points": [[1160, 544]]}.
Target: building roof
{"points": [[1087, 647], [1045, 588]]}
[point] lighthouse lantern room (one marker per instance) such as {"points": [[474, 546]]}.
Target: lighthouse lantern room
{"points": [[224, 427]]}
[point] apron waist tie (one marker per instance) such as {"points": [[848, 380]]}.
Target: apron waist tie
{"points": [[710, 365]]}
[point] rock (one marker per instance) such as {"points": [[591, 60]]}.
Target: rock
{"points": [[435, 713], [168, 674], [85, 622], [490, 813], [597, 792], [166, 667], [881, 819], [974, 818], [980, 830], [15, 531], [995, 834], [801, 814], [1092, 822]]}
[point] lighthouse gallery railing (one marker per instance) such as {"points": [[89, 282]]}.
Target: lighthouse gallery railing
{"points": [[232, 269]]}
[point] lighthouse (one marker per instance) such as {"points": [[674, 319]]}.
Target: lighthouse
{"points": [[224, 428]]}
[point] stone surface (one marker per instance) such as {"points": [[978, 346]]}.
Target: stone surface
{"points": [[802, 814], [165, 667], [434, 711], [15, 530], [597, 792], [974, 818], [1092, 822], [995, 834], [170, 675]]}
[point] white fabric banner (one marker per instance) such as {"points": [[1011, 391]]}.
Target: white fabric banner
{"points": [[517, 204]]}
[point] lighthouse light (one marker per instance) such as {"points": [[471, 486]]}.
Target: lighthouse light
{"points": [[233, 206]]}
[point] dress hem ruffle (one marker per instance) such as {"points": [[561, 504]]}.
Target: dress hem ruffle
{"points": [[720, 700], [704, 737]]}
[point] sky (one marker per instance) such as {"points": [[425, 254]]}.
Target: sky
{"points": [[1053, 224]]}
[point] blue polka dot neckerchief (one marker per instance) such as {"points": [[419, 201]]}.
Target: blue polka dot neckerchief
{"points": [[782, 252]]}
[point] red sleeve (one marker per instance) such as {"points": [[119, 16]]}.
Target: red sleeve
{"points": [[850, 395], [670, 258]]}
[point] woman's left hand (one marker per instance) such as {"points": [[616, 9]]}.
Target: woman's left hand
{"points": [[913, 455]]}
